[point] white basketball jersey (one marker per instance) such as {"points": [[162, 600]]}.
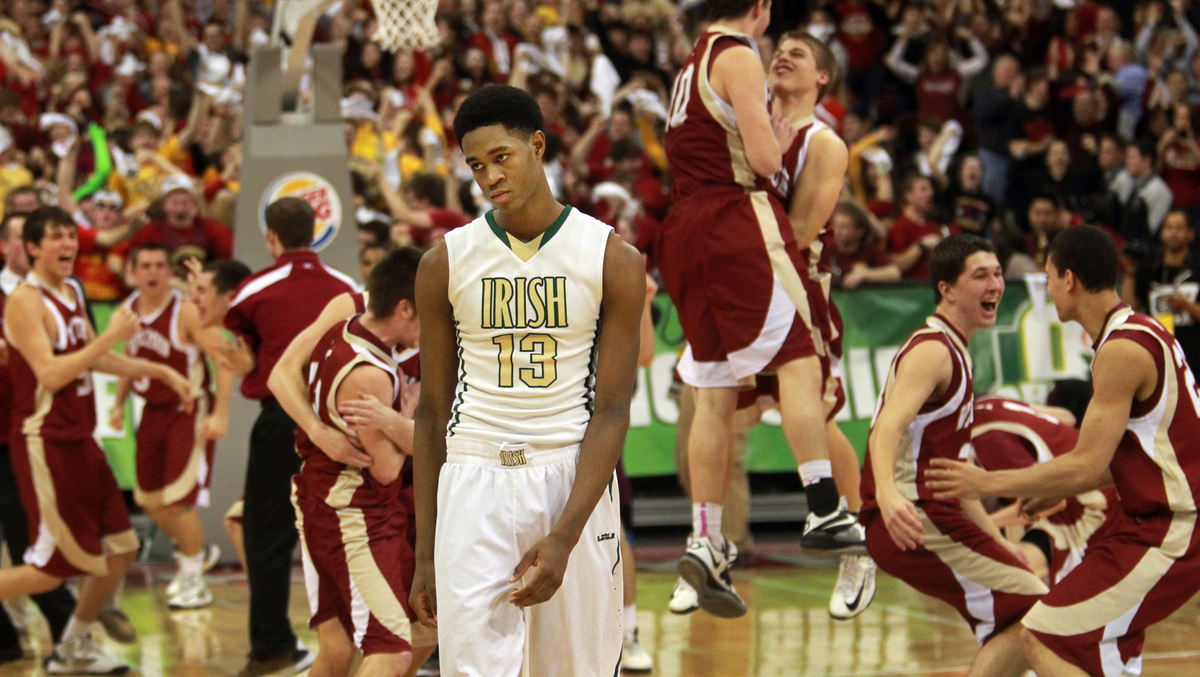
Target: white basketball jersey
{"points": [[526, 324]]}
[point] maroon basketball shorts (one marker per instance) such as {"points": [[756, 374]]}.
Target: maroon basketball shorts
{"points": [[358, 566], [174, 460], [961, 565], [730, 263], [1137, 573], [73, 505]]}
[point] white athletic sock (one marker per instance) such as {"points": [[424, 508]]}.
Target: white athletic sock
{"points": [[706, 521], [815, 471], [629, 620], [191, 565], [75, 628]]}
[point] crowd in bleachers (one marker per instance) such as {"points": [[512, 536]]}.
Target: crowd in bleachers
{"points": [[1014, 120]]}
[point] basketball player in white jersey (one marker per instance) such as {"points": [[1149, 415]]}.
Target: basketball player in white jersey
{"points": [[529, 343]]}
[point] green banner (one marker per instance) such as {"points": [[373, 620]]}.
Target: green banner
{"points": [[1021, 357]]}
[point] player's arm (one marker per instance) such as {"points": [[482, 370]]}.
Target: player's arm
{"points": [[647, 344], [439, 378], [921, 373], [214, 345], [116, 417], [386, 458], [125, 366], [286, 383], [616, 377], [27, 332], [1122, 371], [818, 186], [737, 77]]}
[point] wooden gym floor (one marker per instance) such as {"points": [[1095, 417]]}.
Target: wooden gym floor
{"points": [[788, 632]]}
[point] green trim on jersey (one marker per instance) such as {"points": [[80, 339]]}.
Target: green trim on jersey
{"points": [[546, 234]]}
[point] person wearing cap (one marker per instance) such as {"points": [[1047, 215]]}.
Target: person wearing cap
{"points": [[182, 230]]}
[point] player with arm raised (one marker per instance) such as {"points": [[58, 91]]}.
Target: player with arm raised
{"points": [[725, 216]]}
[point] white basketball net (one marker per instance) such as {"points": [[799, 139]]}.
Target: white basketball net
{"points": [[405, 24]]}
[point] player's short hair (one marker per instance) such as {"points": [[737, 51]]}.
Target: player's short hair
{"points": [[949, 257], [1088, 252], [728, 9], [514, 109], [380, 231], [427, 186], [8, 217], [38, 219], [292, 220], [227, 274], [392, 280], [149, 247], [826, 61]]}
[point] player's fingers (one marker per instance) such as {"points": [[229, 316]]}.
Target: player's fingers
{"points": [[526, 561]]}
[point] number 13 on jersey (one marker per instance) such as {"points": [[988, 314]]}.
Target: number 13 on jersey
{"points": [[540, 350]]}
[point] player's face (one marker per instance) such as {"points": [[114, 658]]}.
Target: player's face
{"points": [[505, 164], [978, 290], [794, 68], [55, 255], [151, 272], [212, 304], [1056, 288]]}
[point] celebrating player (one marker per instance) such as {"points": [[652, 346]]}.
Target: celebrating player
{"points": [[946, 549], [722, 148], [1140, 433]]}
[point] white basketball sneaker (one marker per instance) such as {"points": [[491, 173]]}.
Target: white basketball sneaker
{"points": [[634, 658], [706, 568], [855, 587], [193, 594], [684, 599], [82, 656]]}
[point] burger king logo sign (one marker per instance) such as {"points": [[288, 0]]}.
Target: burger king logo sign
{"points": [[314, 190]]}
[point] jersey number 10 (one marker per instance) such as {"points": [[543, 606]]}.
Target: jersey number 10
{"points": [[542, 351]]}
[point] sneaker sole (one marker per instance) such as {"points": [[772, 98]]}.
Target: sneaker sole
{"points": [[868, 595], [636, 671], [823, 543], [189, 607], [684, 612], [717, 602]]}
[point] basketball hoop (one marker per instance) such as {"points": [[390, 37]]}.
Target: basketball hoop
{"points": [[405, 24]]}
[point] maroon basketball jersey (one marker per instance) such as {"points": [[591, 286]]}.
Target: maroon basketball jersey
{"points": [[70, 413], [345, 346], [942, 428], [703, 144], [1156, 467], [1043, 436], [158, 340]]}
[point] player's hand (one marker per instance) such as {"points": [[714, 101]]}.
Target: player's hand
{"points": [[955, 479], [901, 518], [116, 418], [410, 396], [366, 412], [334, 444], [236, 357], [785, 131], [215, 427], [183, 388], [548, 557], [423, 598], [1034, 509], [122, 324]]}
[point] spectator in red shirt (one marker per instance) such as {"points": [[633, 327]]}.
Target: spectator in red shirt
{"points": [[1181, 160], [181, 229], [495, 39], [850, 254], [914, 233]]}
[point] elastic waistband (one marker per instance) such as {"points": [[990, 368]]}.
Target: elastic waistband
{"points": [[524, 455]]}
